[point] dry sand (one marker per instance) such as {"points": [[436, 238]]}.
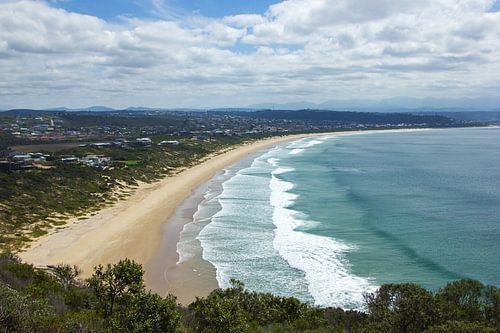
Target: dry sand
{"points": [[131, 228], [136, 228]]}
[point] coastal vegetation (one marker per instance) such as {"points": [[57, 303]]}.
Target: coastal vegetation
{"points": [[39, 199], [115, 299]]}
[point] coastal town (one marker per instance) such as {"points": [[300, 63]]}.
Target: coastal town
{"points": [[16, 160], [42, 139]]}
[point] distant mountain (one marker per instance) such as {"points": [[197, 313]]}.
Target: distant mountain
{"points": [[22, 112], [59, 108], [89, 109], [285, 106], [396, 104], [232, 110], [141, 108]]}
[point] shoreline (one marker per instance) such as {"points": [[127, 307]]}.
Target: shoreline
{"points": [[190, 277], [137, 227], [196, 277], [132, 227]]}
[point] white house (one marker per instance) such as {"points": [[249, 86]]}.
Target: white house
{"points": [[169, 142]]}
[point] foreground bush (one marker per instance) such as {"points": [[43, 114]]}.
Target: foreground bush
{"points": [[115, 299], [123, 301]]}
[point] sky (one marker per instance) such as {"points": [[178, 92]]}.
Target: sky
{"points": [[226, 53]]}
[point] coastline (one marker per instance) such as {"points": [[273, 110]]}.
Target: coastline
{"points": [[192, 276], [132, 228], [140, 225]]}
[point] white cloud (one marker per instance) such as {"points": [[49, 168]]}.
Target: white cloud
{"points": [[244, 20], [298, 49]]}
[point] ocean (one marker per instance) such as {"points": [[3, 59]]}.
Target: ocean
{"points": [[327, 219]]}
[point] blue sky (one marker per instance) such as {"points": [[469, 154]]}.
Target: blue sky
{"points": [[223, 53], [111, 9], [496, 6]]}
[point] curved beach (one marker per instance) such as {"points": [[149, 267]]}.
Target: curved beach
{"points": [[133, 227], [137, 228]]}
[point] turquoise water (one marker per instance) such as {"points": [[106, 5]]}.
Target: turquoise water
{"points": [[327, 219]]}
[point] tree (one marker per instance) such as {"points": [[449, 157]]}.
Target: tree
{"points": [[217, 313], [492, 306], [236, 310], [18, 313], [65, 274], [125, 304], [463, 300], [402, 308], [149, 313], [116, 284]]}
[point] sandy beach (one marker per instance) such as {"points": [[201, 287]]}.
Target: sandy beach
{"points": [[137, 228], [133, 227]]}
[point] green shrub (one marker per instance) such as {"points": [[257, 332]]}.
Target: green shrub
{"points": [[403, 308], [461, 327], [18, 313]]}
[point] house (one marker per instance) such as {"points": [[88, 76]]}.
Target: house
{"points": [[101, 144], [96, 161], [144, 141], [169, 142], [22, 158]]}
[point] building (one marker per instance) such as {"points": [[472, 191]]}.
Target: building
{"points": [[22, 158], [96, 161], [144, 141], [169, 142]]}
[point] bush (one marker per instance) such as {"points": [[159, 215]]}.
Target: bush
{"points": [[114, 285], [461, 327], [18, 313], [124, 303], [236, 307], [402, 308], [217, 313], [115, 300]]}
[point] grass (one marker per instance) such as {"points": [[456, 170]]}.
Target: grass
{"points": [[37, 232], [131, 163]]}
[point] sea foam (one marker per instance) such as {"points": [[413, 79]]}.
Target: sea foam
{"points": [[239, 239], [299, 146], [327, 272], [296, 151], [256, 233]]}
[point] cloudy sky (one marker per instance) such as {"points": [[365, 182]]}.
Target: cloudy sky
{"points": [[209, 53]]}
